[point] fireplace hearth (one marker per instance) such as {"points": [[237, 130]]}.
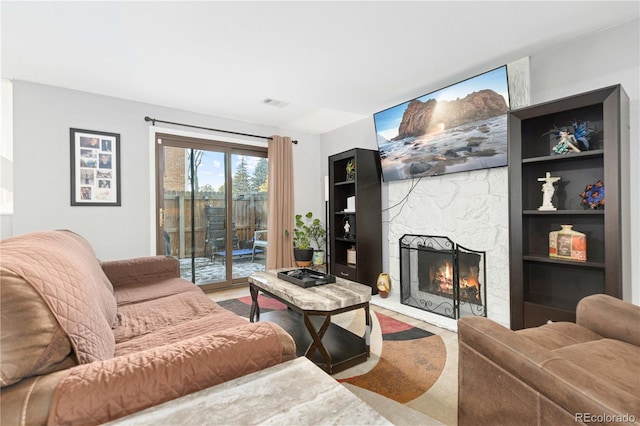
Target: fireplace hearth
{"points": [[440, 276]]}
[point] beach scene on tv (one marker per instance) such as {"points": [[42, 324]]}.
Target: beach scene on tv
{"points": [[461, 127]]}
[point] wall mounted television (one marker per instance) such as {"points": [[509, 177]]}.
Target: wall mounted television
{"points": [[458, 128]]}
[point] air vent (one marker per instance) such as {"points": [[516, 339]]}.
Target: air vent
{"points": [[275, 103]]}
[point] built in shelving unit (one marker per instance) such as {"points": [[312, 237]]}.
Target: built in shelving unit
{"points": [[365, 220], [543, 288]]}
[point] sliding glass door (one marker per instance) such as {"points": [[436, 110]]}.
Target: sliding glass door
{"points": [[212, 203]]}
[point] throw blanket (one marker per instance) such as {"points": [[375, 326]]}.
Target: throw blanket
{"points": [[106, 390], [62, 268]]}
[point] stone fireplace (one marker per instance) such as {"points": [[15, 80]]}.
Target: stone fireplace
{"points": [[471, 208], [439, 276]]}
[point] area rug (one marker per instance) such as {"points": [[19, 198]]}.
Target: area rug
{"points": [[405, 363], [411, 361]]}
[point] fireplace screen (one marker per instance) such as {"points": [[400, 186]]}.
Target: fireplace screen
{"points": [[440, 276]]}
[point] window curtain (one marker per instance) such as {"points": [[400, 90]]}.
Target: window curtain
{"points": [[280, 203]]}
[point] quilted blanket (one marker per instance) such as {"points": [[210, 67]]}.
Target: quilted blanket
{"points": [[106, 390], [62, 268]]}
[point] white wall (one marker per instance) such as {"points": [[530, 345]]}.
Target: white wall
{"points": [[42, 117], [6, 159], [44, 114], [603, 59]]}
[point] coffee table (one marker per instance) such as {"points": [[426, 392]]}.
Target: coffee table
{"points": [[328, 345]]}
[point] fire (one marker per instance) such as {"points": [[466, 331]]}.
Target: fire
{"points": [[447, 271], [444, 278]]}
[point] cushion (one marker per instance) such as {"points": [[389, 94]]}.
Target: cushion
{"points": [[24, 313], [558, 335], [63, 269], [152, 316], [612, 361], [142, 292]]}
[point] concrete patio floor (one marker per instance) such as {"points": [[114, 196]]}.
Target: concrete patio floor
{"points": [[211, 271]]}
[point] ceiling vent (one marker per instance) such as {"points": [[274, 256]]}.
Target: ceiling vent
{"points": [[275, 103]]}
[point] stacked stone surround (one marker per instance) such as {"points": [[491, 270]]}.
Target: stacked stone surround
{"points": [[471, 208]]}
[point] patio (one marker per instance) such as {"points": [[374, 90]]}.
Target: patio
{"points": [[210, 271]]}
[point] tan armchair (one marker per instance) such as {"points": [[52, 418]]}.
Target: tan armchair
{"points": [[259, 240]]}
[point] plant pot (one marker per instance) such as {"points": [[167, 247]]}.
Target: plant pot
{"points": [[318, 257], [303, 257]]}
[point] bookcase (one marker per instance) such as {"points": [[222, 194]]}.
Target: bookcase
{"points": [[544, 288], [355, 255]]}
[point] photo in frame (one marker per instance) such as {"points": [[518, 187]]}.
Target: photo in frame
{"points": [[95, 168]]}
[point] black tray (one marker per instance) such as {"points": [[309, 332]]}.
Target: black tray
{"points": [[306, 277]]}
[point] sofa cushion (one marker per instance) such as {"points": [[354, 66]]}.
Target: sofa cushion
{"points": [[613, 361], [24, 313], [559, 334], [139, 319], [63, 269], [214, 323], [141, 292]]}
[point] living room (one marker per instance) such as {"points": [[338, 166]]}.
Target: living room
{"points": [[42, 114]]}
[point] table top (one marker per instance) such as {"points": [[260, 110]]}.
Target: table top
{"points": [[328, 297], [292, 393]]}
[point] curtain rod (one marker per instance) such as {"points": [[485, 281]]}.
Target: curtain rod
{"points": [[153, 121]]}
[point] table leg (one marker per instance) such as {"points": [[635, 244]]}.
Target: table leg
{"points": [[367, 329], [317, 339], [254, 313]]}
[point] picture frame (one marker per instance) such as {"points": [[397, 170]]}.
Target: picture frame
{"points": [[95, 168]]}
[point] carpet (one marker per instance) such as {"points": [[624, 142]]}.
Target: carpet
{"points": [[405, 363]]}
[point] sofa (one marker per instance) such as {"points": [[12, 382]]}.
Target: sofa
{"points": [[86, 342], [560, 373]]}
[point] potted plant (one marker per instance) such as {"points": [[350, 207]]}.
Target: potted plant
{"points": [[318, 235], [307, 230]]}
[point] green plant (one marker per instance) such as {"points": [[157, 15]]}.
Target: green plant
{"points": [[308, 230]]}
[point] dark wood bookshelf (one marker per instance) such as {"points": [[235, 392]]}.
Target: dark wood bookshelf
{"points": [[546, 289], [365, 221]]}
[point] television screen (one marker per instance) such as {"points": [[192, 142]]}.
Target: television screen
{"points": [[458, 128]]}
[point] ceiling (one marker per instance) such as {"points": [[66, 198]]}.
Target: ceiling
{"points": [[332, 62]]}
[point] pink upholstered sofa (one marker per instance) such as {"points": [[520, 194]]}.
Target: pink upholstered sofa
{"points": [[85, 342]]}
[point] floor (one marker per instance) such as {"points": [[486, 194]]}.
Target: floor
{"points": [[442, 398]]}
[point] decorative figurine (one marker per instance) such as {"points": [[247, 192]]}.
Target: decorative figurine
{"points": [[351, 170], [567, 143], [582, 134], [347, 227], [547, 191], [574, 138], [593, 195]]}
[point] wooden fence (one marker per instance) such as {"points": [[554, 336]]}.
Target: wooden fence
{"points": [[249, 214]]}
